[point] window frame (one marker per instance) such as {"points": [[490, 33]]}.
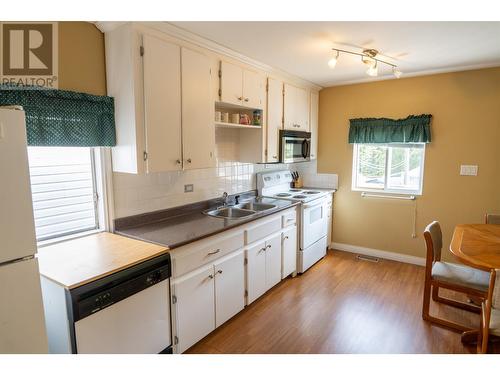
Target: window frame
{"points": [[101, 180], [385, 189]]}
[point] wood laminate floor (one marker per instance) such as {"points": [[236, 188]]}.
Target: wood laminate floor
{"points": [[342, 305]]}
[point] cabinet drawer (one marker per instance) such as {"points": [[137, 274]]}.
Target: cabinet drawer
{"points": [[289, 218], [196, 254], [263, 229]]}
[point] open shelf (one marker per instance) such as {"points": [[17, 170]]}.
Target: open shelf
{"points": [[236, 126]]}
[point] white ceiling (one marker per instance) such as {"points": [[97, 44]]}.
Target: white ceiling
{"points": [[304, 48]]}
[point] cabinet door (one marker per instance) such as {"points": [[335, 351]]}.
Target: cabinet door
{"points": [[256, 271], [229, 286], [198, 133], [274, 118], [162, 104], [231, 84], [302, 109], [314, 124], [290, 107], [194, 306], [253, 89], [289, 251], [273, 261]]}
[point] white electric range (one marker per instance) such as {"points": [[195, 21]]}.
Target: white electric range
{"points": [[313, 223]]}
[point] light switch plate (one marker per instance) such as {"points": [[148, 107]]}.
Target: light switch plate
{"points": [[189, 188], [468, 170]]}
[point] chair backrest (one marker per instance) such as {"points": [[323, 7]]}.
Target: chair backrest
{"points": [[492, 219], [495, 298], [434, 240]]}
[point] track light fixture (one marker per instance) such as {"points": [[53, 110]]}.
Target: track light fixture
{"points": [[368, 57]]}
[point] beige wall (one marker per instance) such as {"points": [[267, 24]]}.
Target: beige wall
{"points": [[81, 58], [465, 130]]}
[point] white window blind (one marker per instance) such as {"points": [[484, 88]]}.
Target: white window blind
{"points": [[63, 190]]}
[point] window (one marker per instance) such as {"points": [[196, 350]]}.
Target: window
{"points": [[392, 168], [63, 187]]}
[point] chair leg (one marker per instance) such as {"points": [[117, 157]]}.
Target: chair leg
{"points": [[427, 299], [435, 293]]}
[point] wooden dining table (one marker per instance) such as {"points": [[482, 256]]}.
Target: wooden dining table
{"points": [[478, 246]]}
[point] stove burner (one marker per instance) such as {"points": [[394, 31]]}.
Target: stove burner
{"points": [[300, 196], [283, 195], [294, 190], [311, 192]]}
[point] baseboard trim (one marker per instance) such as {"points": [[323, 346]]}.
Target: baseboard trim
{"points": [[398, 257]]}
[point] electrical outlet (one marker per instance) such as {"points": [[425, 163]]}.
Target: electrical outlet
{"points": [[189, 188], [468, 170]]}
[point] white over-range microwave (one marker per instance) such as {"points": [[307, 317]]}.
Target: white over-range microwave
{"points": [[295, 146]]}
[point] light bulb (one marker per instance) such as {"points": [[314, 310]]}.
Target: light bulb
{"points": [[397, 73], [372, 71], [333, 61]]}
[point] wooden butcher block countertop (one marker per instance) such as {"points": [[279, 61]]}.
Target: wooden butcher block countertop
{"points": [[77, 262]]}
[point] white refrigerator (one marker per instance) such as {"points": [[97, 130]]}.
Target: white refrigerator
{"points": [[22, 323]]}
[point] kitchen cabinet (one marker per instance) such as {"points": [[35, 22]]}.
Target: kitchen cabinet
{"points": [[274, 118], [163, 103], [295, 108], [289, 251], [229, 287], [194, 302], [263, 266], [206, 298], [198, 129], [314, 124], [241, 87]]}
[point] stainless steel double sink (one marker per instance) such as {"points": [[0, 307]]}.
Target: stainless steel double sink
{"points": [[239, 211]]}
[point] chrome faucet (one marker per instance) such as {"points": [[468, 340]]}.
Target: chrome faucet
{"points": [[224, 199]]}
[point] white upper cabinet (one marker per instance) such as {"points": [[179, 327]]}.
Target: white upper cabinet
{"points": [[198, 132], [314, 124], [241, 86], [162, 105], [231, 83], [274, 118], [296, 108]]}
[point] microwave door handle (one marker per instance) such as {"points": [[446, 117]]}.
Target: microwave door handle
{"points": [[304, 155]]}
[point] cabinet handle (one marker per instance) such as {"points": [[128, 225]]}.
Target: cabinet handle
{"points": [[214, 252], [210, 276], [188, 160], [275, 157], [268, 246], [219, 271], [263, 249], [178, 161], [240, 97], [246, 99], [286, 237]]}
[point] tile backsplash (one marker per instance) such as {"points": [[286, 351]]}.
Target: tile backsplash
{"points": [[136, 194]]}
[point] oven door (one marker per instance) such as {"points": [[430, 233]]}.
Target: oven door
{"points": [[295, 147], [314, 222]]}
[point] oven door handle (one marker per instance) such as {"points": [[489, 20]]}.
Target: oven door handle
{"points": [[313, 204]]}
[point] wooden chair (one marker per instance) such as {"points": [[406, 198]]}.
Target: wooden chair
{"points": [[492, 218], [450, 276], [490, 313]]}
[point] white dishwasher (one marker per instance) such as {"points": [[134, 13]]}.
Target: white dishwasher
{"points": [[128, 312]]}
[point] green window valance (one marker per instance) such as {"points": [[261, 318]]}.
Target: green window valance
{"points": [[384, 130], [63, 118]]}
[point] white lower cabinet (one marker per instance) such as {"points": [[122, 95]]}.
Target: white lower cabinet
{"points": [[263, 266], [206, 298], [289, 251], [194, 300], [229, 287]]}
